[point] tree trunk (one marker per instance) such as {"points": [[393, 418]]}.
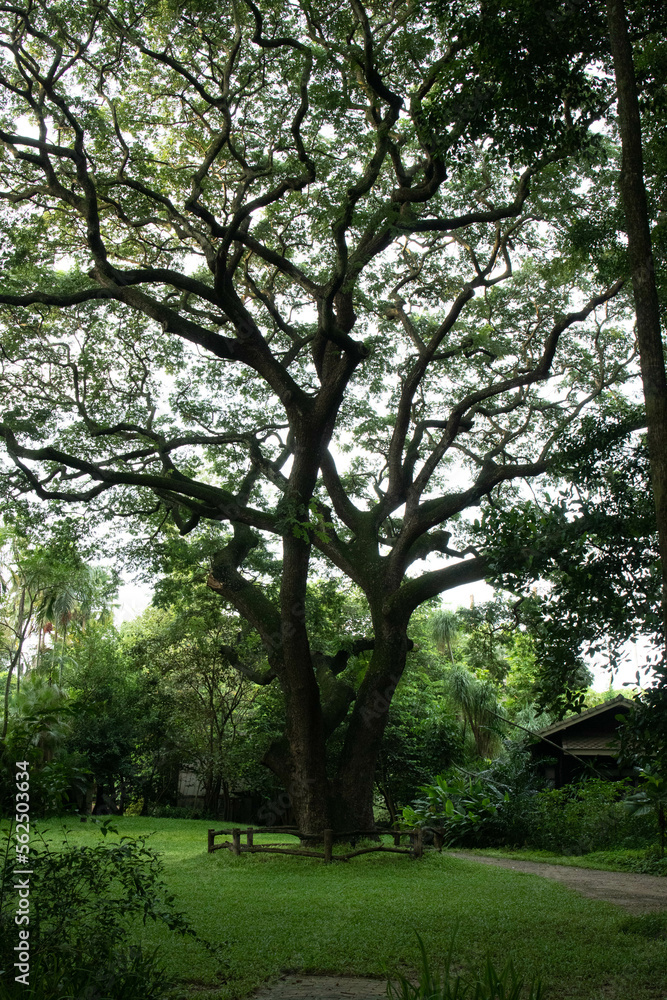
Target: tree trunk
{"points": [[346, 802], [15, 661], [305, 774], [8, 685], [100, 808], [212, 794], [355, 782], [304, 768], [226, 801], [649, 338], [385, 789]]}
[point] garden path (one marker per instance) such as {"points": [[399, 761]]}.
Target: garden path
{"points": [[635, 892]]}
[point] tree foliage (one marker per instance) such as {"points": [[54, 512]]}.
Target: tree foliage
{"points": [[241, 243]]}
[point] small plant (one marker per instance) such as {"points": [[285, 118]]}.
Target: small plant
{"points": [[83, 904], [443, 985]]}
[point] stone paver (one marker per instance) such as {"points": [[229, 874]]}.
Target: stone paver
{"points": [[305, 987]]}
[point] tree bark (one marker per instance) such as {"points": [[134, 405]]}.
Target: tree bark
{"points": [[355, 781], [344, 802], [649, 338]]}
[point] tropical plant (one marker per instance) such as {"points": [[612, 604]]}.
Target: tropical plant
{"points": [[466, 808], [651, 797], [444, 626], [477, 700]]}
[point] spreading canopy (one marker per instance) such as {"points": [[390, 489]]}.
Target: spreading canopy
{"points": [[240, 243]]}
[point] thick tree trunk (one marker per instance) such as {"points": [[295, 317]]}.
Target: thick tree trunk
{"points": [[304, 772], [355, 782], [649, 336], [346, 802]]}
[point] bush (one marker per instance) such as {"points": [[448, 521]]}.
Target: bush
{"points": [[486, 809], [501, 807], [57, 777], [83, 901], [587, 816], [466, 809]]}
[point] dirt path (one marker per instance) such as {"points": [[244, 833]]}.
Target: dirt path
{"points": [[637, 893]]}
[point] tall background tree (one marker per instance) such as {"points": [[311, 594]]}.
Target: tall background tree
{"points": [[642, 266], [240, 242]]}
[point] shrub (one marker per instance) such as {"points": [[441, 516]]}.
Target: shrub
{"points": [[83, 901], [466, 809], [500, 806], [588, 816], [485, 809], [57, 776]]}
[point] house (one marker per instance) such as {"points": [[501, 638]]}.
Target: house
{"points": [[587, 743], [237, 807]]}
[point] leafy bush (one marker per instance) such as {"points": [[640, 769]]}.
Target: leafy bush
{"points": [[83, 901], [36, 734], [466, 809], [587, 816], [501, 807], [442, 985], [486, 809], [651, 797]]}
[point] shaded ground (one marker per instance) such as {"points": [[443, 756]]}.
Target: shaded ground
{"points": [[636, 893]]}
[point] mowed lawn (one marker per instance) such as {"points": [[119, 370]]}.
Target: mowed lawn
{"points": [[278, 913]]}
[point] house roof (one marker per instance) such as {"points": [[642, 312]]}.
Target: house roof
{"points": [[620, 702]]}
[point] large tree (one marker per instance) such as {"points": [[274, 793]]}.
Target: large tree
{"points": [[645, 286], [241, 240]]}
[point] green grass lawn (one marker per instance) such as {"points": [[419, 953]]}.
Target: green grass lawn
{"points": [[278, 913]]}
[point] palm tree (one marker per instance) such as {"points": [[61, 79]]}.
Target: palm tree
{"points": [[71, 595], [477, 701], [40, 591], [444, 629], [20, 582]]}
